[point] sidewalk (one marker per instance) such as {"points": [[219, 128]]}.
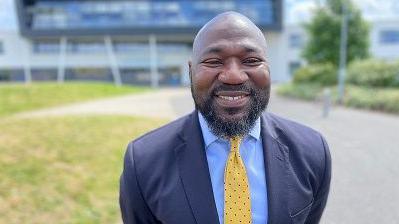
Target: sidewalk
{"points": [[365, 152], [364, 147], [165, 103]]}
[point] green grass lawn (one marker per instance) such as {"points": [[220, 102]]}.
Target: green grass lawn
{"points": [[20, 97], [65, 169], [380, 99]]}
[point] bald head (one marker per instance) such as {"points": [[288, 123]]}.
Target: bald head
{"points": [[228, 25]]}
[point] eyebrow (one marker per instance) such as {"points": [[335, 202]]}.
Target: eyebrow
{"points": [[250, 49], [214, 50], [247, 48]]}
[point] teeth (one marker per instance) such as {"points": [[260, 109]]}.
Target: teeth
{"points": [[231, 97]]}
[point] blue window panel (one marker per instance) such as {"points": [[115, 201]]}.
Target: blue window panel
{"points": [[46, 47], [389, 37], [150, 14], [295, 41]]}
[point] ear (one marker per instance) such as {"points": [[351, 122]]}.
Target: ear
{"points": [[190, 72]]}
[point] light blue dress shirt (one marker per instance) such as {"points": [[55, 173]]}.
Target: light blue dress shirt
{"points": [[251, 150]]}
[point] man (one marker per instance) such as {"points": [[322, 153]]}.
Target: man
{"points": [[228, 161]]}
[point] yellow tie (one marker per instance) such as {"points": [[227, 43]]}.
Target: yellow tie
{"points": [[237, 202]]}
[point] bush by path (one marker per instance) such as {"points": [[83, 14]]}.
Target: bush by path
{"points": [[380, 99], [373, 72]]}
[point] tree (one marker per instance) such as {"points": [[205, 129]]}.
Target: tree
{"points": [[324, 34]]}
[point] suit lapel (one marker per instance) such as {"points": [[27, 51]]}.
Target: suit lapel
{"points": [[194, 173], [277, 173]]}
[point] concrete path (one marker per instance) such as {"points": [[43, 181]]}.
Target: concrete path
{"points": [[365, 152], [364, 148], [164, 103]]}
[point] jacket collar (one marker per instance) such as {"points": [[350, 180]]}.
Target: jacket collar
{"points": [[194, 172], [276, 158]]}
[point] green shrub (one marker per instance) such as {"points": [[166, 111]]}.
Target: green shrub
{"points": [[381, 99], [323, 74], [304, 91], [374, 72], [372, 98]]}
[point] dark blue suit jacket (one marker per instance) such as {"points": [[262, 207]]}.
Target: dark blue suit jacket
{"points": [[166, 177]]}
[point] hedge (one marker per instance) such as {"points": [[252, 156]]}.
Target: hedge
{"points": [[323, 74], [373, 72], [373, 98]]}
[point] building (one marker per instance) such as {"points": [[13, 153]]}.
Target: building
{"points": [[384, 39], [145, 42], [384, 42]]}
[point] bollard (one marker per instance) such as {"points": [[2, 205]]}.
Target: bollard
{"points": [[326, 102]]}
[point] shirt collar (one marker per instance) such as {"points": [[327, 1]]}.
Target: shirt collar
{"points": [[209, 137]]}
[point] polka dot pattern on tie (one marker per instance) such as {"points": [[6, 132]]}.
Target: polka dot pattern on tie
{"points": [[237, 202]]}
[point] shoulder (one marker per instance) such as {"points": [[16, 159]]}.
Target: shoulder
{"points": [[307, 147], [292, 131]]}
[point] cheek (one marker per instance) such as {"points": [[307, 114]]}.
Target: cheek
{"points": [[203, 79], [261, 76]]}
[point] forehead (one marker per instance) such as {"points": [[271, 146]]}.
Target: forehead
{"points": [[229, 38], [233, 45]]}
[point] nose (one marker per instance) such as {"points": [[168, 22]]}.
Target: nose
{"points": [[232, 73]]}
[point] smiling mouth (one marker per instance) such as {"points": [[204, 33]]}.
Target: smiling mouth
{"points": [[232, 99]]}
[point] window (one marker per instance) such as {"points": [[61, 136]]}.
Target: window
{"points": [[1, 48], [84, 47], [44, 74], [171, 48], [46, 14], [128, 47], [389, 37], [295, 40], [46, 47]]}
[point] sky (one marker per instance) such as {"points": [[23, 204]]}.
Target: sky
{"points": [[296, 11]]}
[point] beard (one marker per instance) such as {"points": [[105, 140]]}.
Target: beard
{"points": [[222, 126]]}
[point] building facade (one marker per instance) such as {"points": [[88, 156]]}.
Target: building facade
{"points": [[144, 42], [384, 42], [384, 39]]}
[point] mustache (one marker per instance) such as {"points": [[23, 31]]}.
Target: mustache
{"points": [[245, 87]]}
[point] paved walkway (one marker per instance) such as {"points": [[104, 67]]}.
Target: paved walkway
{"points": [[364, 148], [165, 103], [365, 153]]}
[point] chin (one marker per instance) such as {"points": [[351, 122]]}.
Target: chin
{"points": [[233, 114], [229, 117]]}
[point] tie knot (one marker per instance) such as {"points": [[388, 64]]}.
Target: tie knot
{"points": [[235, 144]]}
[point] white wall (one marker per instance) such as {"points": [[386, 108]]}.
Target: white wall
{"points": [[15, 50], [277, 54], [381, 50]]}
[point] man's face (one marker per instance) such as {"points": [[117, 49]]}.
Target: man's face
{"points": [[230, 81]]}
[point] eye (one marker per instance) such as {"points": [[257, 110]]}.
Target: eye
{"points": [[214, 62], [252, 61]]}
